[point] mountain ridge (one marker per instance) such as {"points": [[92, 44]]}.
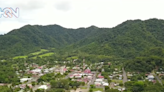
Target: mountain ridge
{"points": [[127, 39]]}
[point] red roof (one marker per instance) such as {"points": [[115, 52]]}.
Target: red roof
{"points": [[65, 69], [87, 71], [100, 76], [40, 67], [71, 70]]}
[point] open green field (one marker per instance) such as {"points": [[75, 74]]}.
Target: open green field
{"points": [[117, 81], [37, 54], [83, 87], [20, 57], [97, 89], [46, 54], [70, 58]]}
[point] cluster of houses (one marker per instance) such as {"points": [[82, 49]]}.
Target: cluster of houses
{"points": [[100, 81], [83, 76], [36, 73]]}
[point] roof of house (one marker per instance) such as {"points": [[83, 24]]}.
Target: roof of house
{"points": [[43, 87], [100, 76], [150, 76], [87, 71], [65, 69]]}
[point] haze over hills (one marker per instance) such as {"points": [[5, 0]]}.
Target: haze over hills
{"points": [[126, 40]]}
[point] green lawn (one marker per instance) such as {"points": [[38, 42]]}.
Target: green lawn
{"points": [[20, 57], [70, 58], [46, 54], [83, 87], [117, 81], [97, 89]]}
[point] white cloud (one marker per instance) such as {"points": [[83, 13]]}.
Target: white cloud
{"points": [[63, 5], [79, 13]]}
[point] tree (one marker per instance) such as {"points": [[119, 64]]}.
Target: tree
{"points": [[106, 87], [92, 86]]}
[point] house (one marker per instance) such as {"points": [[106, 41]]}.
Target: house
{"points": [[89, 77], [71, 76], [78, 76], [150, 77], [46, 71], [43, 87], [110, 76], [99, 80], [105, 84], [36, 71], [101, 77], [87, 71], [97, 83], [120, 77], [23, 86], [121, 89], [25, 79]]}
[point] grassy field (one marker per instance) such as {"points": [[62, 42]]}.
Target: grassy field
{"points": [[46, 54], [20, 57], [97, 89], [39, 52], [70, 58], [83, 87], [117, 81]]}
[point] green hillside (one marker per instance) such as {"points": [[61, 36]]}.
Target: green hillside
{"points": [[127, 40]]}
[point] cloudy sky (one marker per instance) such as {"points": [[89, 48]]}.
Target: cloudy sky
{"points": [[79, 13]]}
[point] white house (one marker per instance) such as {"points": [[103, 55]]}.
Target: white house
{"points": [[36, 71], [24, 79], [150, 77], [97, 83], [43, 87], [105, 84], [99, 80]]}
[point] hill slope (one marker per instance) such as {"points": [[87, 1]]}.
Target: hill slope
{"points": [[126, 40]]}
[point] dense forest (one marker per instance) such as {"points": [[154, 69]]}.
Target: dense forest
{"points": [[127, 40], [147, 61]]}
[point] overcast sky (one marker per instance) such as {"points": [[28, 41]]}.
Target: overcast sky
{"points": [[79, 13]]}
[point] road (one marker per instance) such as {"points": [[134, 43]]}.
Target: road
{"points": [[159, 80], [124, 76], [111, 85]]}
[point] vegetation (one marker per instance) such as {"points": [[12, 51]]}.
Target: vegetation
{"points": [[150, 60], [126, 40], [136, 45]]}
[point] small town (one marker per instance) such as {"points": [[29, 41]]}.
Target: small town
{"points": [[85, 77], [81, 46]]}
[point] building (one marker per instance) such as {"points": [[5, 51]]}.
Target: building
{"points": [[36, 71], [87, 71], [25, 79], [99, 80], [105, 84], [150, 77], [97, 83], [101, 77], [43, 87]]}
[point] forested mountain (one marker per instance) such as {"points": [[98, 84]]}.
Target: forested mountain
{"points": [[126, 40], [31, 38], [147, 61]]}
